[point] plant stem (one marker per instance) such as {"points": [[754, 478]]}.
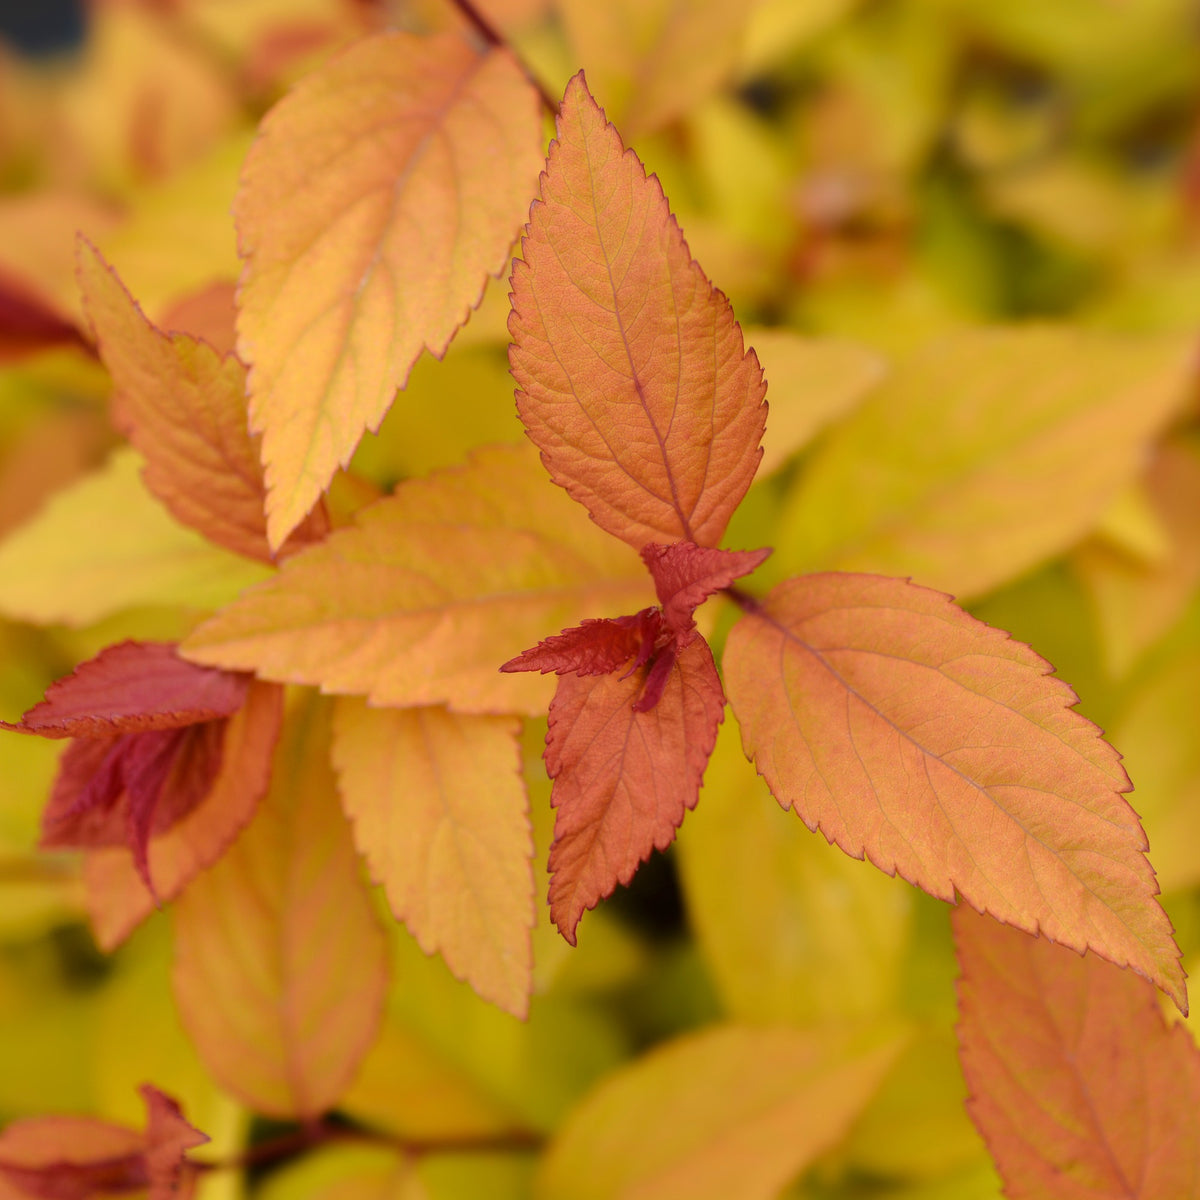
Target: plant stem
{"points": [[495, 38]]}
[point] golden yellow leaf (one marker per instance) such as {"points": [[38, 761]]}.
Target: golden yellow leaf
{"points": [[731, 1111], [648, 61], [280, 964], [809, 935], [431, 590], [105, 544], [811, 382], [1137, 602], [983, 455], [440, 813], [381, 192]]}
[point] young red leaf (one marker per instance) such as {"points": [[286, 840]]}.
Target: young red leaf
{"points": [[74, 1158], [440, 814], [281, 964], [595, 647], [131, 688], [634, 380], [150, 729], [115, 892], [380, 193], [908, 731], [623, 777], [685, 575], [1077, 1085], [183, 406]]}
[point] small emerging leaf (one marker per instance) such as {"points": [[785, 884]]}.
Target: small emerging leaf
{"points": [[380, 193], [908, 731], [624, 777], [634, 381], [1077, 1085], [685, 575]]}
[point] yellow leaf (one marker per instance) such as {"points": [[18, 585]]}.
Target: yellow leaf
{"points": [[280, 964], [808, 934], [177, 237], [349, 1172], [811, 382], [731, 1111], [433, 588], [982, 455], [1137, 602], [380, 193], [1156, 731], [105, 544], [440, 813], [649, 61]]}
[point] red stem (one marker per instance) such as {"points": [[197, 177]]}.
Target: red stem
{"points": [[496, 39]]}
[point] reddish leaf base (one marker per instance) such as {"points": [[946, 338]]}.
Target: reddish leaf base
{"points": [[73, 1158], [627, 752], [149, 732]]}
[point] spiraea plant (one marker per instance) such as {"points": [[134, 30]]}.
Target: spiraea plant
{"points": [[352, 860]]}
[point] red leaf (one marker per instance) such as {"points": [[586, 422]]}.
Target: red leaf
{"points": [[168, 1138], [117, 898], [131, 688], [1077, 1085], [685, 575], [162, 775], [74, 1158], [908, 731], [594, 647], [623, 779], [634, 380]]}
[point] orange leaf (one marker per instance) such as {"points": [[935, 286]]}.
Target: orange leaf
{"points": [[431, 590], [440, 813], [1077, 1085], [623, 778], [184, 407], [117, 899], [940, 748], [280, 963], [634, 379], [381, 192]]}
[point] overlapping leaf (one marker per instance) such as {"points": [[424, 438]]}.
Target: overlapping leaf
{"points": [[908, 731], [440, 815], [431, 590], [728, 1112], [380, 193], [183, 407], [105, 544], [280, 963], [634, 380], [116, 897], [624, 778], [983, 454], [1077, 1085]]}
